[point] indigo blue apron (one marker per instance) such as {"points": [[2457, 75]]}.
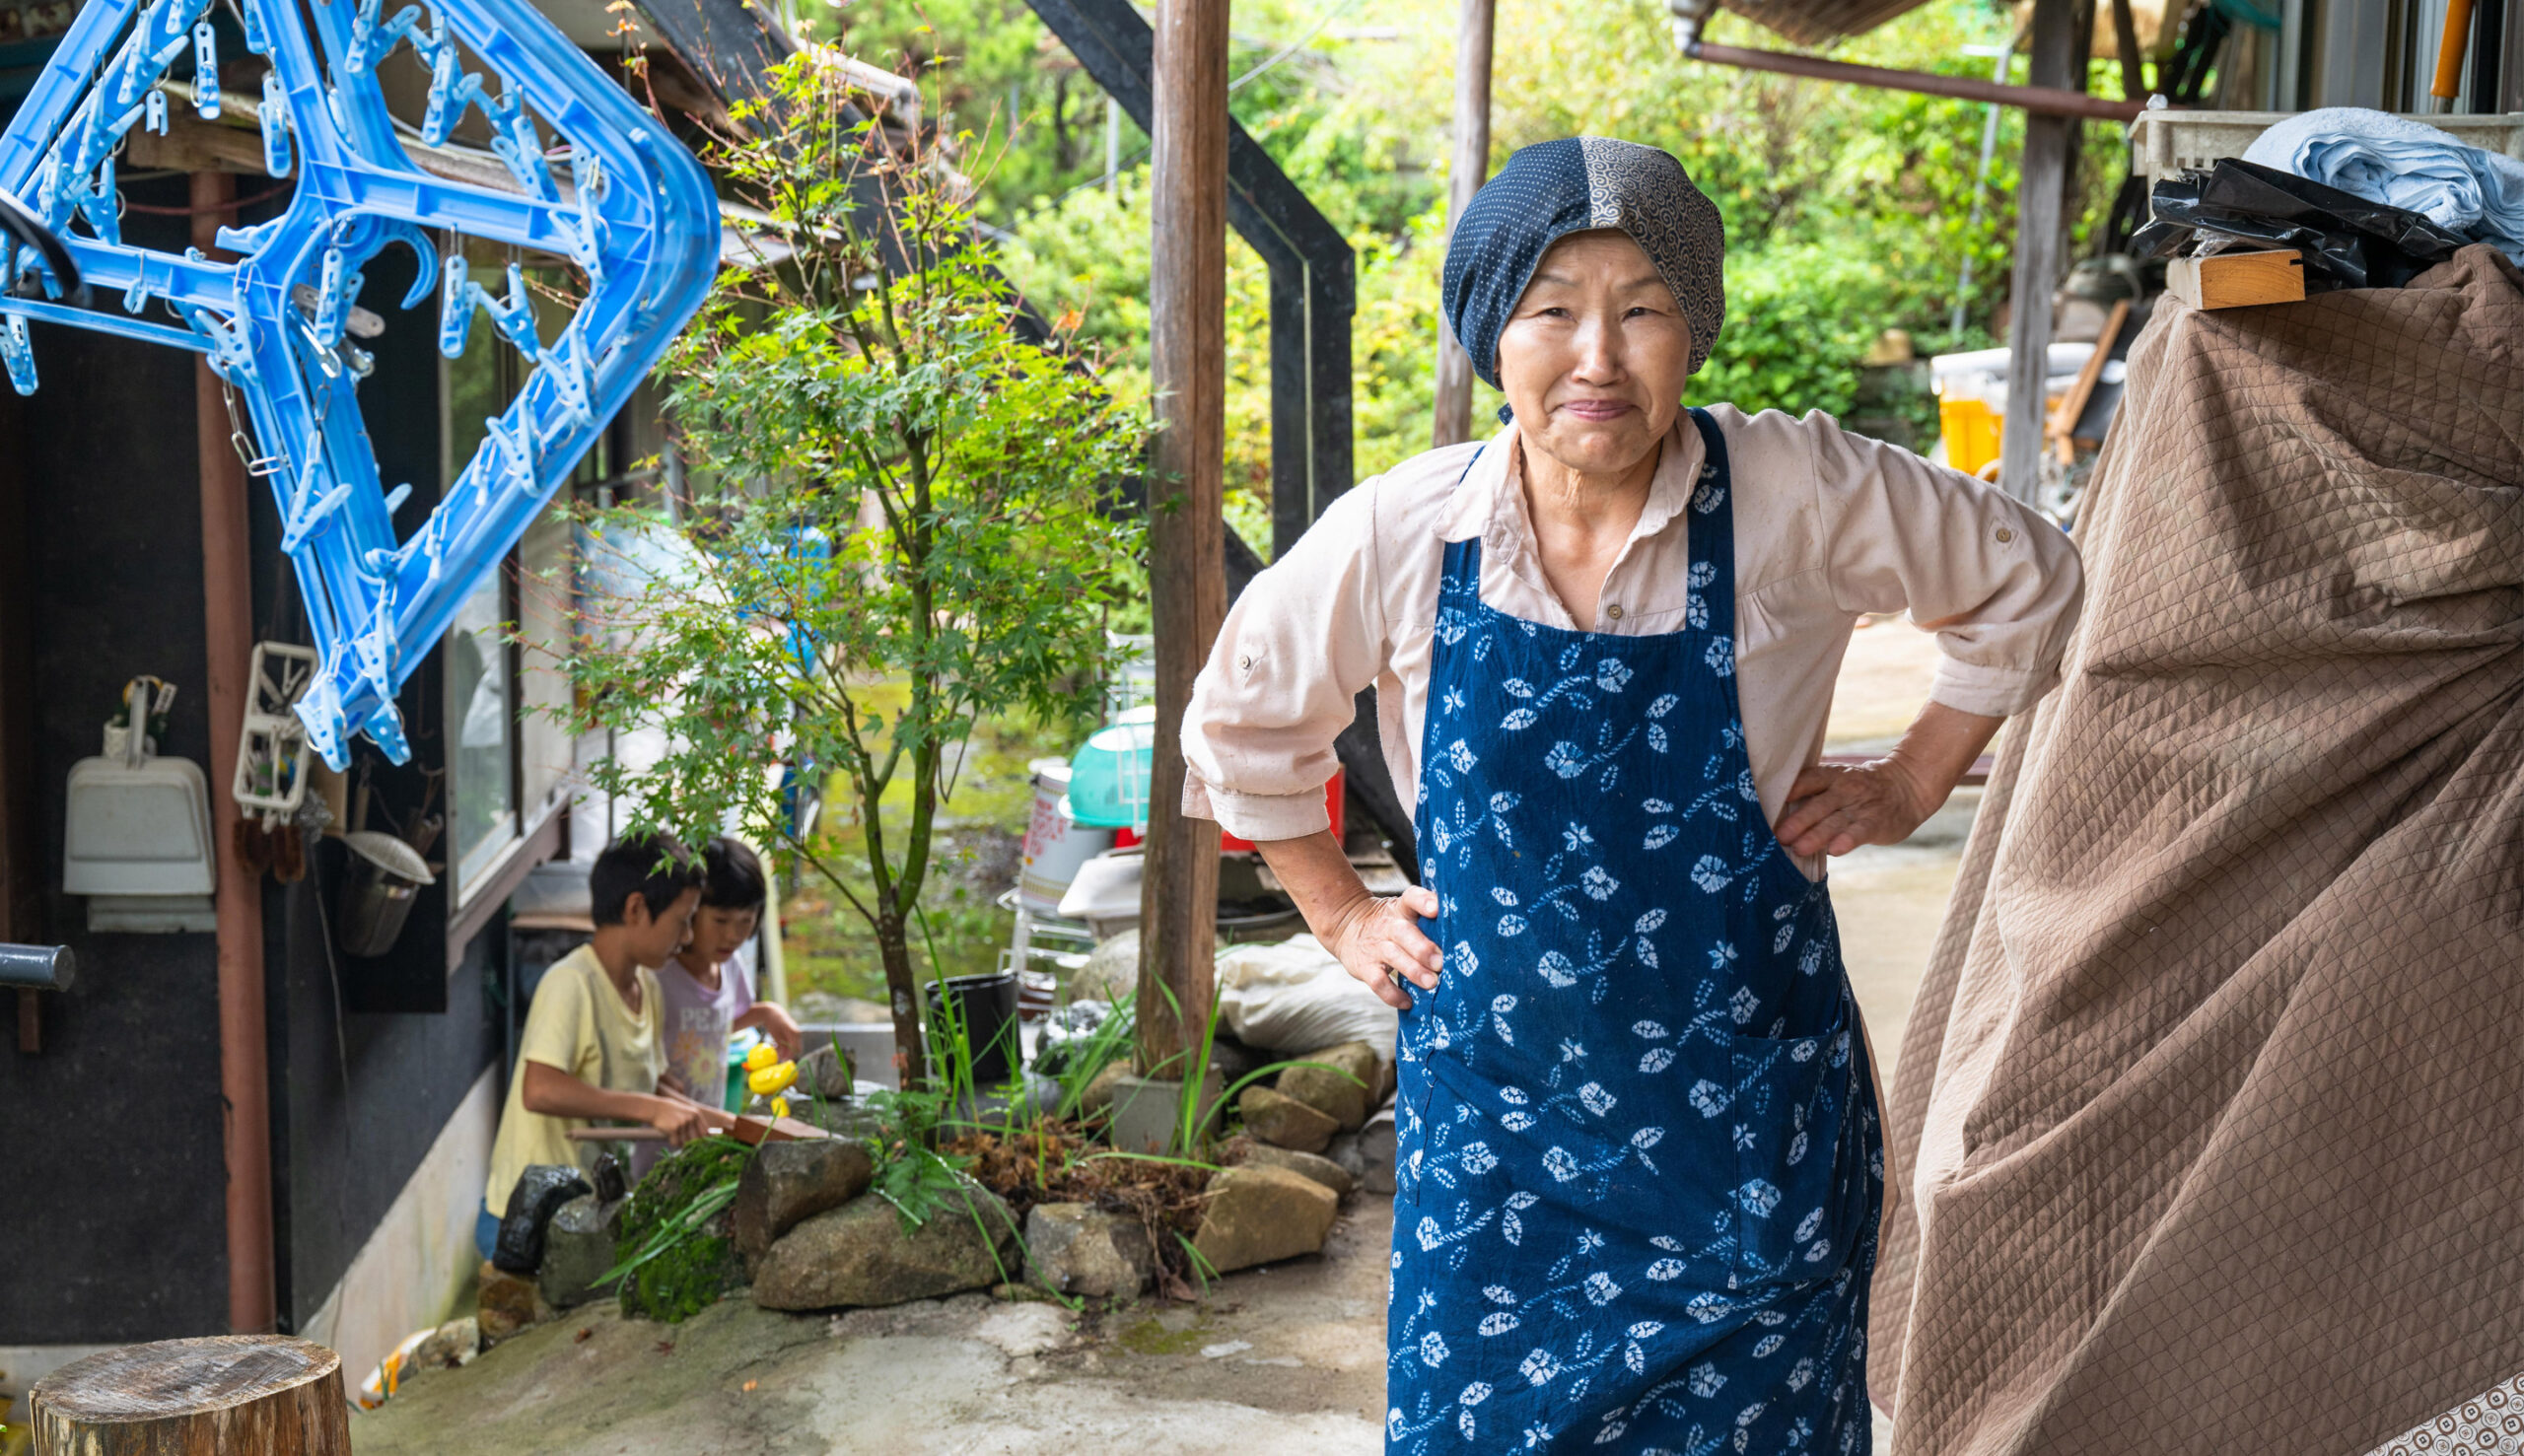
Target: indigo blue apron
{"points": [[1639, 1166]]}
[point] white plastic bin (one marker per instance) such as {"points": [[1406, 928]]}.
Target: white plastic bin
{"points": [[2165, 142]]}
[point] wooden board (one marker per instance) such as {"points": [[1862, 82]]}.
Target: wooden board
{"points": [[746, 1128], [229, 1395], [2239, 280]]}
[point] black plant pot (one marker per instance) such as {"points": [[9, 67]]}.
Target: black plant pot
{"points": [[986, 1006]]}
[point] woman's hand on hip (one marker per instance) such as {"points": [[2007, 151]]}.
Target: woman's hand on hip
{"points": [[1378, 938], [1375, 938], [1832, 811]]}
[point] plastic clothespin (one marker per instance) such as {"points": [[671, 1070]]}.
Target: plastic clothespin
{"points": [[328, 300], [17, 354], [249, 15], [276, 120], [455, 308], [156, 111], [515, 315], [205, 71]]}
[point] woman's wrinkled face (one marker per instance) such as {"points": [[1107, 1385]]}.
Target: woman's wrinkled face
{"points": [[1594, 356]]}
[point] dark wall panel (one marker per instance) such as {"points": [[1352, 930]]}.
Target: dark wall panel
{"points": [[114, 1213]]}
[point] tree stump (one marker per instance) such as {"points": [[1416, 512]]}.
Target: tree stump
{"points": [[230, 1395]]}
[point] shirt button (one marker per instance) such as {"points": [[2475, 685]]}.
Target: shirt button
{"points": [[1613, 611], [1245, 664], [2005, 535]]}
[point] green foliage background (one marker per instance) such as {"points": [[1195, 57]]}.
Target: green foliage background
{"points": [[1848, 209]]}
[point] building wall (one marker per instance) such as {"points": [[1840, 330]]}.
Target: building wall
{"points": [[112, 1210], [113, 1216]]}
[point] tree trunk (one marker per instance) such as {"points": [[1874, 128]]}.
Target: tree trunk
{"points": [[902, 992], [229, 1395]]}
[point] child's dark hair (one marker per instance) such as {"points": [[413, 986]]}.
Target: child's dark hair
{"points": [[734, 876], [655, 866]]}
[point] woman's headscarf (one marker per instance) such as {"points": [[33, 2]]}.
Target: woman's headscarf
{"points": [[1578, 185]]}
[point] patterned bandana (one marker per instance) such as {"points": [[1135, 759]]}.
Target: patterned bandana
{"points": [[1552, 189]]}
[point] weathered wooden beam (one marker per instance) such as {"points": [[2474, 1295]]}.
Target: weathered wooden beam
{"points": [[1187, 580], [2041, 188], [1451, 419]]}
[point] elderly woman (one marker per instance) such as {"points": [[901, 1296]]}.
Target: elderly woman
{"points": [[1639, 1165]]}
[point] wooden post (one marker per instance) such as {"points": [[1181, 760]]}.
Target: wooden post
{"points": [[1186, 539], [228, 625], [1470, 168], [2040, 189], [229, 1395], [2125, 39]]}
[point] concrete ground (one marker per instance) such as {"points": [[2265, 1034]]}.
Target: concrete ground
{"points": [[1286, 1360]]}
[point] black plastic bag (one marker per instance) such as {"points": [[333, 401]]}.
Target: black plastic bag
{"points": [[540, 1191], [2346, 240]]}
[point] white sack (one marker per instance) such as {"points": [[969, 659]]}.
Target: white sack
{"points": [[1295, 998]]}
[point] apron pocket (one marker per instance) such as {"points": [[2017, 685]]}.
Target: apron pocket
{"points": [[1800, 1182]]}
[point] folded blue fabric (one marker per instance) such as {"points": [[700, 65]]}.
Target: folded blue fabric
{"points": [[2406, 163]]}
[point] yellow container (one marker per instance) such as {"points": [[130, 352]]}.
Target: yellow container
{"points": [[1971, 430]]}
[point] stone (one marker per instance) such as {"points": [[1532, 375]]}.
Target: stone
{"points": [[1345, 1084], [826, 1073], [1231, 1059], [506, 1305], [1323, 1170], [1376, 1142], [1343, 1149], [1258, 1215], [1081, 1249], [1112, 971], [859, 1254], [790, 1181], [1098, 1095], [578, 1248], [1021, 1330], [451, 1344], [1148, 1114], [1284, 1122]]}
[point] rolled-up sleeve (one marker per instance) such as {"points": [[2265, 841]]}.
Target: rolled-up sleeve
{"points": [[1306, 637], [1998, 585]]}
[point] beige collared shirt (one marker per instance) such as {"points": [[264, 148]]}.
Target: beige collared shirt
{"points": [[1829, 527]]}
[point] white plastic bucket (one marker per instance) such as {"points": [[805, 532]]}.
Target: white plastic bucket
{"points": [[1055, 843]]}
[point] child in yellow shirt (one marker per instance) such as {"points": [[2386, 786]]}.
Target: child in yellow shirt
{"points": [[592, 1047]]}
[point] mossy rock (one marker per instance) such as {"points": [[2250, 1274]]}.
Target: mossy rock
{"points": [[703, 1266]]}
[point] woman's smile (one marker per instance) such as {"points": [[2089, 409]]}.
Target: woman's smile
{"points": [[1597, 410]]}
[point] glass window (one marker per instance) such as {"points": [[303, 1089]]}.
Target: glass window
{"points": [[481, 723]]}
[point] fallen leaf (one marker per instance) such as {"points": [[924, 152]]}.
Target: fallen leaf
{"points": [[666, 1346], [749, 1385], [582, 1337]]}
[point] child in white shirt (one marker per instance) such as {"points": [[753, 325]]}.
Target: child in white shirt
{"points": [[705, 992]]}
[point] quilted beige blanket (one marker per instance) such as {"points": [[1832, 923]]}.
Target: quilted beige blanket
{"points": [[2212, 1109]]}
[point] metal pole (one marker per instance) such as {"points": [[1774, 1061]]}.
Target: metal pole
{"points": [[1186, 539], [1979, 187], [1451, 421], [228, 622]]}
